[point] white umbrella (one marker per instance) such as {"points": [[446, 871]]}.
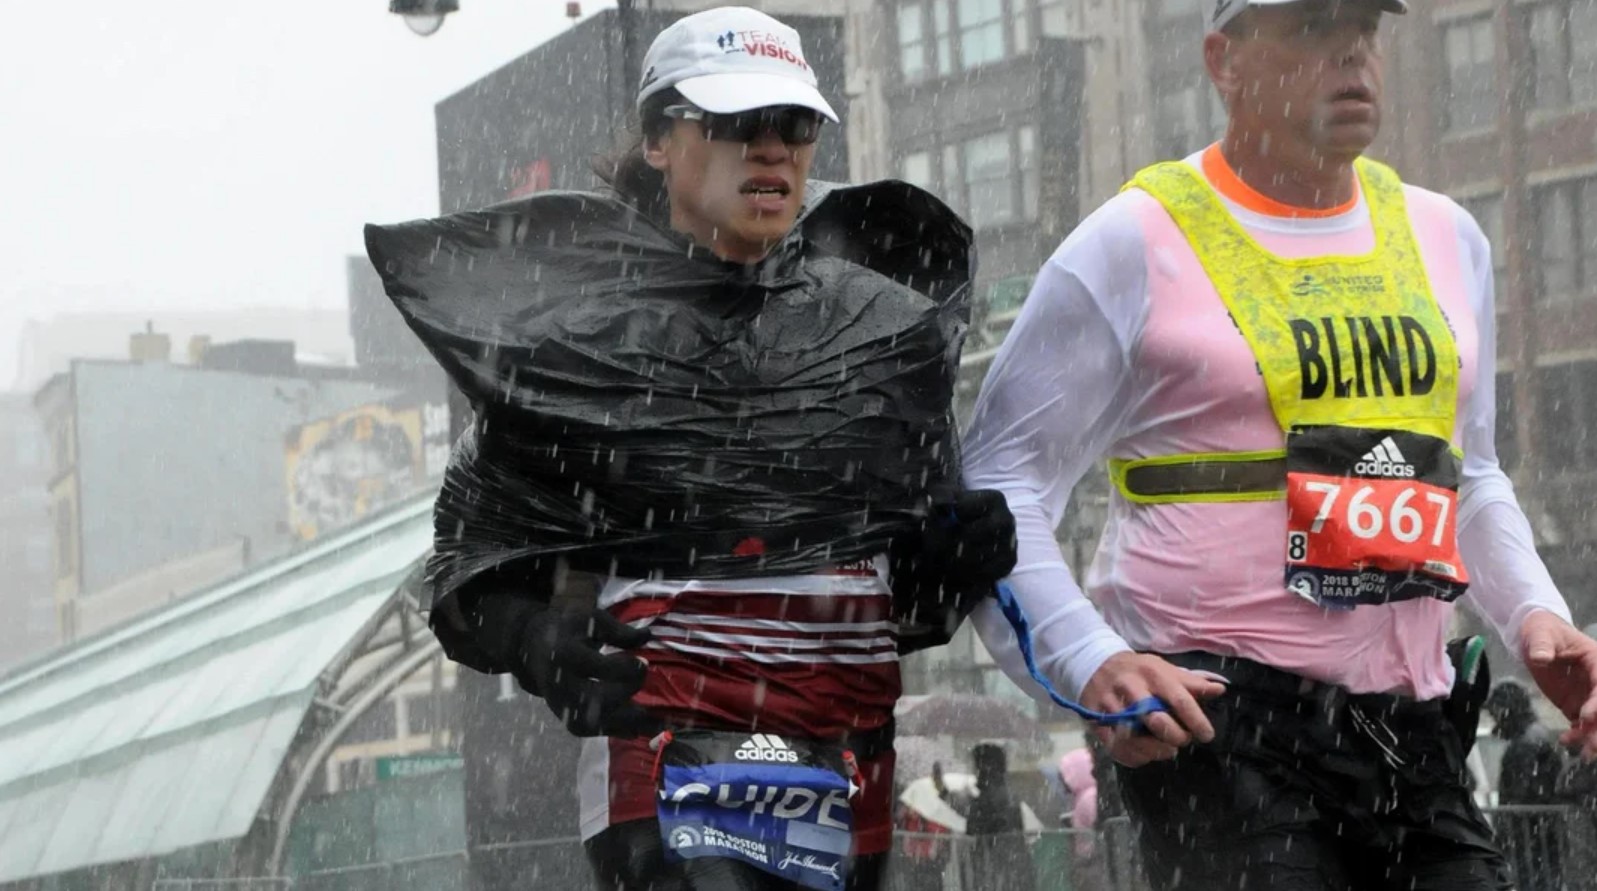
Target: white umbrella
{"points": [[918, 755], [921, 797]]}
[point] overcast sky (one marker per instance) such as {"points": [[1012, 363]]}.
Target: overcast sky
{"points": [[186, 154]]}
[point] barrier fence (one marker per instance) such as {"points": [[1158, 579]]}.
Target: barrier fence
{"points": [[1550, 848], [279, 884]]}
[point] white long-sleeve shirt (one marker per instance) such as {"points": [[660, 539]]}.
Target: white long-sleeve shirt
{"points": [[1124, 349]]}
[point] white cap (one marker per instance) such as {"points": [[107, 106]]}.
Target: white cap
{"points": [[1226, 10], [731, 59]]}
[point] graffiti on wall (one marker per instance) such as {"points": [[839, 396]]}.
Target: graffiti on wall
{"points": [[358, 461]]}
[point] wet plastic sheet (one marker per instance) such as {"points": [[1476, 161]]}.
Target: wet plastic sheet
{"points": [[643, 407]]}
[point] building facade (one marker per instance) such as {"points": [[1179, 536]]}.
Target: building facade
{"points": [[1495, 104], [47, 347], [167, 478], [25, 535], [980, 102]]}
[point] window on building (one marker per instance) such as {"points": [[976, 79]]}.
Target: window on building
{"points": [[1030, 172], [1582, 33], [1053, 18], [1507, 423], [990, 180], [981, 32], [912, 41], [1468, 50], [355, 773], [943, 32], [1564, 392], [1565, 241], [1563, 45], [916, 169], [1556, 256], [1547, 30], [424, 714], [953, 181], [380, 722], [1020, 22], [926, 39], [1488, 212]]}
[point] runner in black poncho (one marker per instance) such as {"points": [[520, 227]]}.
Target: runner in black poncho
{"points": [[726, 393]]}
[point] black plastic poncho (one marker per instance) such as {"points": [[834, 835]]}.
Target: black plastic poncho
{"points": [[643, 407]]}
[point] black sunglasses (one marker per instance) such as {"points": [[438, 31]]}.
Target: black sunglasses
{"points": [[793, 124]]}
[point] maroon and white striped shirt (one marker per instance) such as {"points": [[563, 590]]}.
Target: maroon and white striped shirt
{"points": [[812, 656]]}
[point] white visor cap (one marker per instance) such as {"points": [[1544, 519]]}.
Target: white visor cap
{"points": [[732, 59]]}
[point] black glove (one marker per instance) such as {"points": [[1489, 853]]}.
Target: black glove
{"points": [[554, 653], [965, 545]]}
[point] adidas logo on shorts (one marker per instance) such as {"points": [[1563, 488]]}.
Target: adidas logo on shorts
{"points": [[765, 747], [1384, 460]]}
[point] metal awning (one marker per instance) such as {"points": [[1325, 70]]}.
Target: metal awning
{"points": [[170, 731]]}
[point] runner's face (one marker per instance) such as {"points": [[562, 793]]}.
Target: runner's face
{"points": [[1309, 72], [737, 198]]}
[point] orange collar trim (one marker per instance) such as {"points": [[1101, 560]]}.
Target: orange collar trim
{"points": [[1226, 182]]}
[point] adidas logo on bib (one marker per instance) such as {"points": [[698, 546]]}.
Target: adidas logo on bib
{"points": [[765, 747], [1384, 460]]}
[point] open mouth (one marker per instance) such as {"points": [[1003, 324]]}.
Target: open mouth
{"points": [[1353, 93], [766, 186]]}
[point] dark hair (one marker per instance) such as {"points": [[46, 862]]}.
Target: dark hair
{"points": [[991, 764], [626, 171], [1510, 706]]}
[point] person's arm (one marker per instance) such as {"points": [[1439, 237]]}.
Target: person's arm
{"points": [[1508, 580], [1055, 399], [1509, 584], [1059, 394]]}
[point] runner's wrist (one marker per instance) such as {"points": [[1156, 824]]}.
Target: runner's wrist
{"points": [[1074, 670], [1515, 633]]}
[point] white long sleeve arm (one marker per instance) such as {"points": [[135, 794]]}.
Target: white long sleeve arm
{"points": [[1508, 580], [1057, 396]]}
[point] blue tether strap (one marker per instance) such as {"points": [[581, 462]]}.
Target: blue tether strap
{"points": [[1131, 716]]}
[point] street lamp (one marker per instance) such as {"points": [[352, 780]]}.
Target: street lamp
{"points": [[424, 17]]}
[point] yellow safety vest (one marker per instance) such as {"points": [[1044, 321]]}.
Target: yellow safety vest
{"points": [[1362, 373]]}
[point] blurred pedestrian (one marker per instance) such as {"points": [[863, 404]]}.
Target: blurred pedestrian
{"points": [[1088, 868], [1532, 775], [923, 845], [1000, 853], [1075, 771]]}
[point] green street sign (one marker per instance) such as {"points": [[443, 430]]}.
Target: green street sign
{"points": [[398, 767]]}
